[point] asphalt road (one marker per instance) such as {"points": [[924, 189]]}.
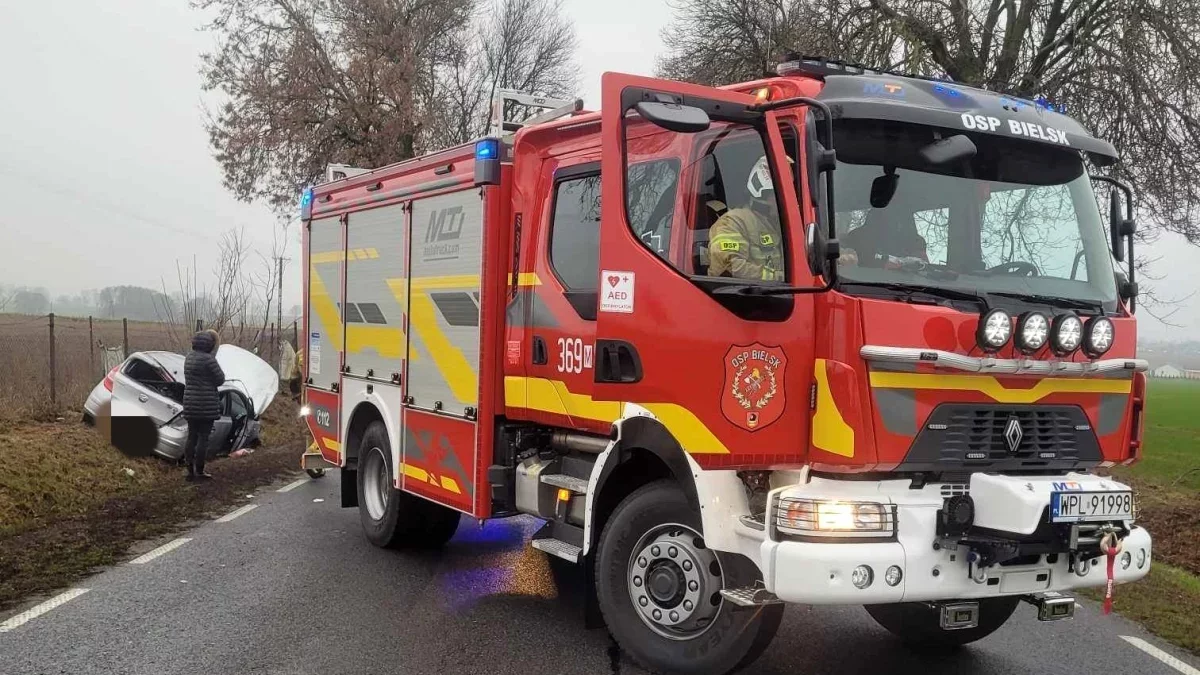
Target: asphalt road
{"points": [[292, 587]]}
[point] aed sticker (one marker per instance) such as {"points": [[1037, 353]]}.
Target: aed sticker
{"points": [[513, 353], [616, 293], [1015, 128], [314, 354]]}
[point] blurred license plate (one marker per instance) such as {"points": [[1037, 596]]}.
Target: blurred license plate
{"points": [[1072, 507]]}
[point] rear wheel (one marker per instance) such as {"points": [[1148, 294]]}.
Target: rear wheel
{"points": [[918, 624], [658, 587], [390, 517]]}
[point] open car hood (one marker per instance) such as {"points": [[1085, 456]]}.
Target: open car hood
{"points": [[250, 374]]}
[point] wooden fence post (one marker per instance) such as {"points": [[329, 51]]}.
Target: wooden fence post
{"points": [[91, 349], [125, 337], [53, 364]]}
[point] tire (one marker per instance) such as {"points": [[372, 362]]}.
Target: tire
{"points": [[917, 624], [315, 473], [708, 637], [393, 518], [437, 527]]}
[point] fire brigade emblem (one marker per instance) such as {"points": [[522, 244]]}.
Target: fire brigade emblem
{"points": [[753, 393]]}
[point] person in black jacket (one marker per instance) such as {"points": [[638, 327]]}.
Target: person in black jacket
{"points": [[201, 404]]}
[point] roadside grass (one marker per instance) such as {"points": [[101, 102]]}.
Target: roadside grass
{"points": [[1166, 602], [1171, 456], [1167, 484], [68, 504]]}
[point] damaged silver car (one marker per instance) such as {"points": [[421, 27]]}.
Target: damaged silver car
{"points": [[151, 383]]}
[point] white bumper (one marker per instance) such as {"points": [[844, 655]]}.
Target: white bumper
{"points": [[820, 572]]}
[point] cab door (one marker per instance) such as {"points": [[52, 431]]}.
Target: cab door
{"points": [[728, 375]]}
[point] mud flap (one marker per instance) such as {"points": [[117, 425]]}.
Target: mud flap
{"points": [[349, 488]]}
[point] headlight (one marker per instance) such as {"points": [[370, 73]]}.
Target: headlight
{"points": [[1098, 336], [822, 518], [305, 411], [995, 328], [1066, 333], [1032, 331]]}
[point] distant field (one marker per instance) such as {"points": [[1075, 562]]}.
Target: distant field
{"points": [[1172, 440], [25, 359]]}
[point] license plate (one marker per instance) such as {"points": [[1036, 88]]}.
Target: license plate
{"points": [[1073, 507]]}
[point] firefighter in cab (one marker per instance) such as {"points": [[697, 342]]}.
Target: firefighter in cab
{"points": [[746, 243]]}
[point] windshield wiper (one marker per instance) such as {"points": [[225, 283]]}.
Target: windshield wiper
{"points": [[1052, 300], [936, 291]]}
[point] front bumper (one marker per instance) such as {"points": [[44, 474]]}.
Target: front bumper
{"points": [[820, 572]]}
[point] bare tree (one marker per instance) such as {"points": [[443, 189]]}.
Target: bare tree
{"points": [[309, 82], [233, 303], [527, 45], [1125, 68]]}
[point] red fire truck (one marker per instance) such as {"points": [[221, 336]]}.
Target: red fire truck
{"points": [[832, 337]]}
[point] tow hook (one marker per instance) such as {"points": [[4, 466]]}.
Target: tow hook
{"points": [[1052, 606]]}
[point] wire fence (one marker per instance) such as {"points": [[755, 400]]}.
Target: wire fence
{"points": [[49, 364]]}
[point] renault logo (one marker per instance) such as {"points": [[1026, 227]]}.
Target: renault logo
{"points": [[1013, 434]]}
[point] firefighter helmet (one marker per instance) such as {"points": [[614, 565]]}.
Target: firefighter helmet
{"points": [[759, 180]]}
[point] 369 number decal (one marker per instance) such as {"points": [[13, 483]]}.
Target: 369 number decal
{"points": [[573, 355]]}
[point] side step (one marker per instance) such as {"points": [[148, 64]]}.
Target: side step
{"points": [[561, 480], [750, 597], [557, 548]]}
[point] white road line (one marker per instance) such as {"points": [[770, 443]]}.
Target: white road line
{"points": [[1161, 655], [292, 486], [165, 548], [234, 514], [35, 612]]}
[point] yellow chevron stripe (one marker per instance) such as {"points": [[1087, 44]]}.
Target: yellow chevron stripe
{"points": [[991, 387], [553, 396], [325, 308], [326, 257], [829, 429], [332, 444]]}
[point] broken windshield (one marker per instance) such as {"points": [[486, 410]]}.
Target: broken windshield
{"points": [[1016, 218]]}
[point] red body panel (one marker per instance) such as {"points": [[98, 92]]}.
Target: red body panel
{"points": [[440, 460]]}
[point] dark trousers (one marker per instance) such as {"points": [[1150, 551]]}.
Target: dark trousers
{"points": [[196, 450]]}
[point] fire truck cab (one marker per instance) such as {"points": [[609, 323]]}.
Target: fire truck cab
{"points": [[832, 337]]}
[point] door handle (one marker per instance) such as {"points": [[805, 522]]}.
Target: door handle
{"points": [[617, 362], [541, 355], [143, 398]]}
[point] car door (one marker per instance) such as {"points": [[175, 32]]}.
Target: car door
{"points": [[130, 397], [243, 424], [223, 425]]}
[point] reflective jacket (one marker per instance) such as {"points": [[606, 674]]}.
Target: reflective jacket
{"points": [[744, 244]]}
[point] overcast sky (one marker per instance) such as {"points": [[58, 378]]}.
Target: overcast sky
{"points": [[106, 177]]}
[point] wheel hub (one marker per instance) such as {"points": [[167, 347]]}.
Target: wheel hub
{"points": [[673, 582], [377, 484]]}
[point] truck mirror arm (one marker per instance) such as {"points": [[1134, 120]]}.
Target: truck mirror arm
{"points": [[1122, 229]]}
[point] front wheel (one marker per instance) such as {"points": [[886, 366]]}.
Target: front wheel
{"points": [[658, 587], [918, 624]]}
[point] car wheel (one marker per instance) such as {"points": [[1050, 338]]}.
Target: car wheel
{"points": [[919, 625], [390, 517], [315, 473], [658, 587]]}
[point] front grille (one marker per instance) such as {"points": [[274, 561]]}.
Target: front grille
{"points": [[1003, 437]]}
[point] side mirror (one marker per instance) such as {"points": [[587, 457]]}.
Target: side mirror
{"points": [[1115, 222], [948, 150], [677, 117]]}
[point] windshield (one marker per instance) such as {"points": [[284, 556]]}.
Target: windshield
{"points": [[1016, 218]]}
